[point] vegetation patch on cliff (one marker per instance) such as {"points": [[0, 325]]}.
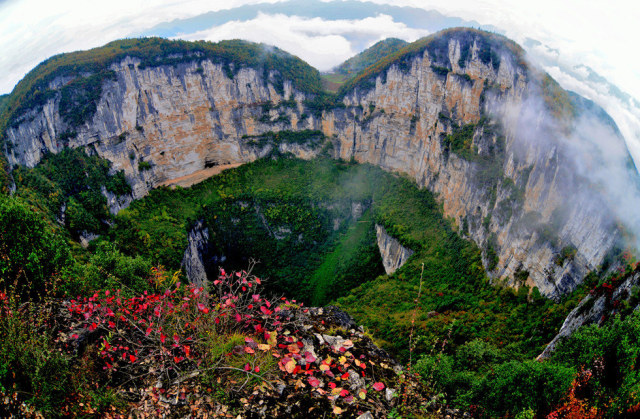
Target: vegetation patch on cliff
{"points": [[83, 73]]}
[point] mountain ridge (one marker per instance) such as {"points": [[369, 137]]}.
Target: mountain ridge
{"points": [[446, 97]]}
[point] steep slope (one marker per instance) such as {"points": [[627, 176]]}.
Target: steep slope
{"points": [[370, 56], [460, 112]]}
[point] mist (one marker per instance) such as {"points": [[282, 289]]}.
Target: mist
{"points": [[593, 166]]}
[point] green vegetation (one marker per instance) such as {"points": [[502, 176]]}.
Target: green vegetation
{"points": [[608, 357], [331, 82], [30, 250], [370, 56], [437, 46], [311, 227], [88, 70], [473, 340], [566, 253], [144, 165], [69, 185]]}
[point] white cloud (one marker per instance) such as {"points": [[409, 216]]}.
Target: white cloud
{"points": [[33, 30], [626, 117], [321, 43]]}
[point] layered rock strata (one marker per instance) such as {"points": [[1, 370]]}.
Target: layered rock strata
{"points": [[505, 183]]}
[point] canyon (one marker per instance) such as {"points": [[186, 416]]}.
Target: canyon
{"points": [[461, 114]]}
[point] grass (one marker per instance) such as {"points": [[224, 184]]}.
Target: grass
{"points": [[325, 279]]}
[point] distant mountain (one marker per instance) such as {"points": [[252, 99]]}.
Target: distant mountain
{"points": [[371, 55]]}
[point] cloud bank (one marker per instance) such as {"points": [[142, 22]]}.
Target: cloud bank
{"points": [[322, 43]]}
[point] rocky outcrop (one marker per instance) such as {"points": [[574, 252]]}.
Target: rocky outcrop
{"points": [[394, 255], [467, 118], [602, 303], [508, 189], [198, 257], [179, 119]]}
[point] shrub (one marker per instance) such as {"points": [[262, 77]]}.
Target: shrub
{"points": [[30, 253], [516, 386], [144, 165]]}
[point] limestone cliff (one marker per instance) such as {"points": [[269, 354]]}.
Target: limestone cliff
{"points": [[394, 255], [611, 298], [461, 113]]}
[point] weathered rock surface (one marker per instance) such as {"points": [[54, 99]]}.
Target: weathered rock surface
{"points": [[394, 255], [595, 308], [509, 193], [198, 241]]}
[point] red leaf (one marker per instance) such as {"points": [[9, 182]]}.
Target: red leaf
{"points": [[257, 369], [308, 357], [132, 358], [162, 338], [74, 336], [93, 326], [313, 381], [345, 376], [202, 308], [249, 350], [344, 393], [247, 367], [332, 385], [378, 386]]}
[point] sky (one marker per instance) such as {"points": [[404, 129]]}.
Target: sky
{"points": [[595, 34]]}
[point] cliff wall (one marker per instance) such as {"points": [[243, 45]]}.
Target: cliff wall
{"points": [[394, 255], [476, 129]]}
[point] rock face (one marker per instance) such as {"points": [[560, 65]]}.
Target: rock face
{"points": [[179, 119], [594, 309], [394, 255], [467, 118], [199, 255]]}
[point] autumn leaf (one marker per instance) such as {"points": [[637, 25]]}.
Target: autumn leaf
{"points": [[313, 381], [378, 386], [362, 394], [290, 366]]}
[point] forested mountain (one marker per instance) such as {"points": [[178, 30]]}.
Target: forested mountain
{"points": [[426, 198]]}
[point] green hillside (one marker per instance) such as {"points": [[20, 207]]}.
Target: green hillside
{"points": [[86, 70], [281, 213], [369, 56]]}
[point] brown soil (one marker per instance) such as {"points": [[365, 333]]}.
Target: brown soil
{"points": [[199, 176]]}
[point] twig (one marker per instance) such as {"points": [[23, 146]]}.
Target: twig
{"points": [[413, 320], [248, 372]]}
